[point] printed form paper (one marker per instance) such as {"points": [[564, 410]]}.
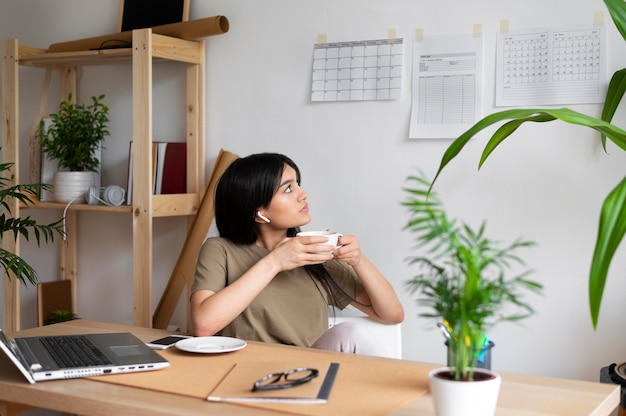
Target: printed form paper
{"points": [[551, 66], [447, 85]]}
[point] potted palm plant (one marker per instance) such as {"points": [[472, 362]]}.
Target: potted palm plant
{"points": [[612, 224], [461, 280], [12, 263], [75, 134]]}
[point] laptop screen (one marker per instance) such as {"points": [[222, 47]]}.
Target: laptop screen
{"points": [[139, 14], [7, 345]]}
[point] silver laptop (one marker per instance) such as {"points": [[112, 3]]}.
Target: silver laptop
{"points": [[71, 356]]}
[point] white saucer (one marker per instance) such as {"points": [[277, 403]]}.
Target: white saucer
{"points": [[210, 345]]}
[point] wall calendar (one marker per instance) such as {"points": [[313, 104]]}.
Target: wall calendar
{"points": [[357, 70], [552, 66]]}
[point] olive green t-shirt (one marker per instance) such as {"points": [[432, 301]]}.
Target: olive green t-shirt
{"points": [[292, 309]]}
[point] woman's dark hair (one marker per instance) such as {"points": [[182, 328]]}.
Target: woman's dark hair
{"points": [[247, 184]]}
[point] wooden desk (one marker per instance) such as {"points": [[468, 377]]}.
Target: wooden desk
{"points": [[520, 395]]}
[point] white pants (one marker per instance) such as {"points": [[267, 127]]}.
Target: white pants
{"points": [[350, 337]]}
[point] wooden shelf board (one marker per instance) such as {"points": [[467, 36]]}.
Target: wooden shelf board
{"points": [[175, 204], [162, 205], [164, 49], [77, 207], [107, 57], [62, 59]]}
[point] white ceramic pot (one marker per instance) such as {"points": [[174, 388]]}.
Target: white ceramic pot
{"points": [[72, 186], [467, 398]]}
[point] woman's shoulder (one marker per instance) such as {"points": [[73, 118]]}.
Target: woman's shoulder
{"points": [[227, 245], [218, 241], [222, 242]]}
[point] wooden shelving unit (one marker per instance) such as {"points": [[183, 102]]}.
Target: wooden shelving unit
{"points": [[147, 49]]}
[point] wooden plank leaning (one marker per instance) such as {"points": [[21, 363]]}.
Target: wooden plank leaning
{"points": [[186, 264]]}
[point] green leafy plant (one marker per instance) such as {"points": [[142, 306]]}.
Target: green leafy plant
{"points": [[61, 315], [461, 279], [76, 133], [21, 226], [612, 225]]}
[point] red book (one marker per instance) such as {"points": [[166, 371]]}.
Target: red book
{"points": [[175, 169]]}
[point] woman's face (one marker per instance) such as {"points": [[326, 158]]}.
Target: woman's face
{"points": [[288, 207]]}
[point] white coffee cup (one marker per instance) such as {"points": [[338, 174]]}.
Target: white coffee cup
{"points": [[333, 238]]}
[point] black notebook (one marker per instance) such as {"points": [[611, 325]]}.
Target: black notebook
{"points": [[237, 385]]}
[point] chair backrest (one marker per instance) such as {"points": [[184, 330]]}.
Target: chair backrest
{"points": [[389, 335], [53, 296]]}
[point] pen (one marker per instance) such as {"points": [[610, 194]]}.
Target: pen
{"points": [[444, 330]]}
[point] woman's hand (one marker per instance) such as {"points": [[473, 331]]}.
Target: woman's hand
{"points": [[293, 252], [349, 250], [378, 299]]}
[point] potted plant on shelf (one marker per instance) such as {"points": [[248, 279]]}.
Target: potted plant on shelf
{"points": [[21, 226], [61, 315], [73, 138], [612, 223], [461, 279]]}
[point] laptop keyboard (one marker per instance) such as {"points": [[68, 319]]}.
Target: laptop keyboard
{"points": [[74, 351]]}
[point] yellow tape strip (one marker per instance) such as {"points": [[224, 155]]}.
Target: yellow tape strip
{"points": [[504, 26], [598, 19], [419, 35], [322, 39], [478, 30], [391, 34]]}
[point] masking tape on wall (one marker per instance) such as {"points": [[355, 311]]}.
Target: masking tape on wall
{"points": [[391, 34], [419, 35], [478, 30], [504, 26], [598, 19], [322, 39]]}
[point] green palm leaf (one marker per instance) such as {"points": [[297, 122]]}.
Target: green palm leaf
{"points": [[610, 234], [617, 10], [614, 94], [612, 227], [520, 116], [613, 217]]}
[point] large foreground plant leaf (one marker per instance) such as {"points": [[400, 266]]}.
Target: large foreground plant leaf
{"points": [[613, 218]]}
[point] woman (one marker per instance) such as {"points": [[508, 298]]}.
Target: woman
{"points": [[259, 281]]}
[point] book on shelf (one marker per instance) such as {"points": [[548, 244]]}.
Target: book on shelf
{"points": [[169, 169], [159, 164], [174, 172], [50, 166], [129, 184], [237, 385]]}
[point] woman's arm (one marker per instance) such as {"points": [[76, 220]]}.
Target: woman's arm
{"points": [[212, 311], [378, 299]]}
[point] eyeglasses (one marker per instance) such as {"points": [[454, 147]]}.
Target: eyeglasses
{"points": [[286, 379]]}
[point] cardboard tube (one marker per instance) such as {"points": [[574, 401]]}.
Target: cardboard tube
{"points": [[192, 29]]}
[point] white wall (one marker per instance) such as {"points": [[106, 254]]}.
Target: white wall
{"points": [[546, 184]]}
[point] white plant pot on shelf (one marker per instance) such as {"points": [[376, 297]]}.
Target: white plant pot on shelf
{"points": [[467, 398], [72, 186]]}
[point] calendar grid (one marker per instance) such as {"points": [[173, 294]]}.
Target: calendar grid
{"points": [[576, 56], [358, 70], [562, 65]]}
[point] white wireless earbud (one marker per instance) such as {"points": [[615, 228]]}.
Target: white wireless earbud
{"points": [[264, 218]]}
